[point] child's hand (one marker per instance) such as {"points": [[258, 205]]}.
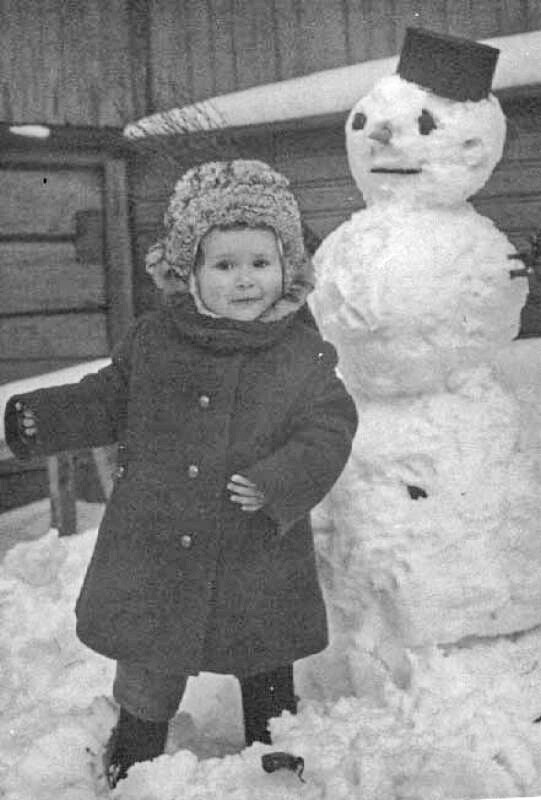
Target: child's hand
{"points": [[246, 493], [26, 421]]}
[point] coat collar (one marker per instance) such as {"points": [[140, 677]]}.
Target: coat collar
{"points": [[220, 334]]}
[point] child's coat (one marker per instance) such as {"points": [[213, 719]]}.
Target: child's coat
{"points": [[182, 579]]}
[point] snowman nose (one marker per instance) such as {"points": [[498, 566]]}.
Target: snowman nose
{"points": [[382, 133]]}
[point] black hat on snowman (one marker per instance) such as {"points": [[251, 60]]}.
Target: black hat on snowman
{"points": [[450, 66]]}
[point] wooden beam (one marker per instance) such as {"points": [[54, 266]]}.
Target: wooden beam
{"points": [[61, 469], [105, 460], [118, 250]]}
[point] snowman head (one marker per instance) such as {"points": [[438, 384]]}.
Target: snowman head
{"points": [[434, 143]]}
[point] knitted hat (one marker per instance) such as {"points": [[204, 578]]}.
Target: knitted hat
{"points": [[224, 194]]}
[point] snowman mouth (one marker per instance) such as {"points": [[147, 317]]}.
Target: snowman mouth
{"points": [[396, 170]]}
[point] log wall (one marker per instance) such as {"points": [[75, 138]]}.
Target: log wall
{"points": [[105, 62]]}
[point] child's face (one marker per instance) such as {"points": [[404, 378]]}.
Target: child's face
{"points": [[240, 274]]}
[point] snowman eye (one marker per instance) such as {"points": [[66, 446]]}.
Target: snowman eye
{"points": [[427, 123], [359, 121]]}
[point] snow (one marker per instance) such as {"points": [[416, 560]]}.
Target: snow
{"points": [[325, 92], [429, 542], [464, 727], [57, 710]]}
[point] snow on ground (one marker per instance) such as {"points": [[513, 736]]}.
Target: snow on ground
{"points": [[55, 693], [477, 740]]}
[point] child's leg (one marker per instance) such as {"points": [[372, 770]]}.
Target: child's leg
{"points": [[264, 696], [148, 700], [147, 694]]}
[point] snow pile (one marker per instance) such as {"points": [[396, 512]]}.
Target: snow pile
{"points": [[429, 545], [54, 713], [463, 729]]}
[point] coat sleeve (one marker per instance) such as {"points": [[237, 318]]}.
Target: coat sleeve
{"points": [[298, 475], [89, 413]]}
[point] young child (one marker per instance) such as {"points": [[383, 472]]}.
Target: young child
{"points": [[232, 425]]}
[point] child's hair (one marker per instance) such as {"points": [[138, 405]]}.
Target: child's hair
{"points": [[228, 194]]}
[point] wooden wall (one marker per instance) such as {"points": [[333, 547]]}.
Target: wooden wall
{"points": [[199, 49], [105, 62]]}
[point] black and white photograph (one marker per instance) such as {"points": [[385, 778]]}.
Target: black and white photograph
{"points": [[270, 399]]}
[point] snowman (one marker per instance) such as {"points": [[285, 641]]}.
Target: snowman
{"points": [[429, 543]]}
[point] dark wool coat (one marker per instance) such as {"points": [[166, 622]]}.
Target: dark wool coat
{"points": [[181, 579]]}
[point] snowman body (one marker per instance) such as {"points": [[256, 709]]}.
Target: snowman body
{"points": [[429, 538], [428, 544]]}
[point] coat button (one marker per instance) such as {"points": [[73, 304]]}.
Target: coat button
{"points": [[193, 471], [204, 400], [119, 472], [186, 541]]}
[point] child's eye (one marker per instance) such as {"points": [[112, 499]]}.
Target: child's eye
{"points": [[223, 265], [261, 262]]}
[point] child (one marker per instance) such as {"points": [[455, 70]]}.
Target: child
{"points": [[231, 426]]}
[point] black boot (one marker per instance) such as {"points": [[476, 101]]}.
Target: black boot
{"points": [[264, 696], [132, 739]]}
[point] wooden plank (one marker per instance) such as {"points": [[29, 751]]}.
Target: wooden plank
{"points": [[323, 42], [139, 28], [21, 489], [523, 147], [43, 201], [254, 42], [516, 214], [78, 336], [327, 196], [115, 100], [458, 18], [38, 158], [324, 222], [95, 59], [170, 55], [293, 144], [372, 28], [149, 215], [513, 16], [198, 32], [8, 50], [38, 276], [224, 58], [323, 168], [485, 19], [514, 178], [358, 31], [17, 369], [105, 461], [118, 251], [61, 471], [65, 62], [533, 15], [30, 46], [287, 31], [432, 16], [81, 74]]}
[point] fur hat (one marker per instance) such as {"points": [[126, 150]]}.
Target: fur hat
{"points": [[223, 194]]}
